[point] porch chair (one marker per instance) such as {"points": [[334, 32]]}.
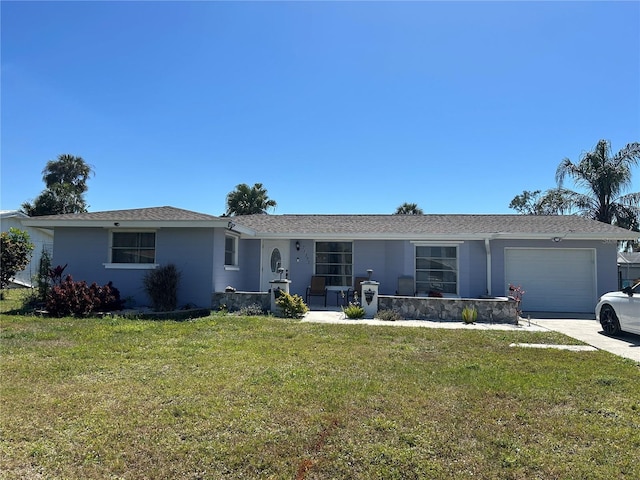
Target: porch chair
{"points": [[357, 287], [317, 288]]}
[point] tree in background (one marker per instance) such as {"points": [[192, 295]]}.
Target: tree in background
{"points": [[66, 183], [556, 201], [605, 179], [408, 209], [245, 200], [15, 254]]}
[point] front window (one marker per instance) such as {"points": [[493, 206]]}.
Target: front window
{"points": [[437, 269], [334, 261], [133, 247], [230, 250]]}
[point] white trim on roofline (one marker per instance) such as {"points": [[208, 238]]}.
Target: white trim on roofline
{"points": [[154, 224], [416, 237]]}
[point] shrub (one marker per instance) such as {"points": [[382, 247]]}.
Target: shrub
{"points": [[161, 285], [291, 306], [354, 310], [469, 314], [43, 278], [15, 254], [79, 299], [251, 310], [107, 297], [388, 315]]}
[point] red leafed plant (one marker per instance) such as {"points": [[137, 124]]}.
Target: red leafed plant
{"points": [[77, 298], [516, 292]]}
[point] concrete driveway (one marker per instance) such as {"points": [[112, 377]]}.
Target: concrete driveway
{"points": [[588, 330]]}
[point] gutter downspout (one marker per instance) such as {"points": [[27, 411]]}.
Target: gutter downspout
{"points": [[487, 247]]}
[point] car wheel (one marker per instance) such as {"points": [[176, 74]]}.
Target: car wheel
{"points": [[609, 320]]}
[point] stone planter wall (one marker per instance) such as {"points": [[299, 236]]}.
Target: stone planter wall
{"points": [[237, 300], [493, 310]]}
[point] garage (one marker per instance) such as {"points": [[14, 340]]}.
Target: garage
{"points": [[554, 279]]}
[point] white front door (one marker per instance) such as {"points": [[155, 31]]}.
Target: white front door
{"points": [[275, 254]]}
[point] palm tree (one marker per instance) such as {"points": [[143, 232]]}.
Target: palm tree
{"points": [[245, 200], [66, 183], [408, 209], [605, 178], [67, 170]]}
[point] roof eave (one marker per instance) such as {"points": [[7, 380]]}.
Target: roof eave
{"points": [[130, 224], [600, 236]]}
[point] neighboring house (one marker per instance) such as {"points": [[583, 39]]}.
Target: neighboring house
{"points": [[42, 239], [562, 262], [628, 268]]}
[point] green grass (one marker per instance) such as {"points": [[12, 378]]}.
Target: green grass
{"points": [[259, 397]]}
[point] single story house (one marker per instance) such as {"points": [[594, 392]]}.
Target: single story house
{"points": [[42, 239], [628, 268], [563, 263]]}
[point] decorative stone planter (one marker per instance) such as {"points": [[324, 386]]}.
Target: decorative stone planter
{"points": [[491, 310], [237, 300]]}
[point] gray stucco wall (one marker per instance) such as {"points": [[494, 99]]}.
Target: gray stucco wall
{"points": [[86, 250], [249, 258], [301, 266], [394, 258]]}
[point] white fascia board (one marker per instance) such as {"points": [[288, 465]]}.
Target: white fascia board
{"points": [[136, 224], [364, 236], [604, 236], [445, 237]]}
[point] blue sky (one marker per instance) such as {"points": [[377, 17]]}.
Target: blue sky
{"points": [[336, 107]]}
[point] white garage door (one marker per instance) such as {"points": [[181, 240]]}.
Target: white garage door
{"points": [[554, 279]]}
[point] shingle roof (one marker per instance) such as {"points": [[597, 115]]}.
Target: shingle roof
{"points": [[136, 214], [453, 226], [436, 225]]}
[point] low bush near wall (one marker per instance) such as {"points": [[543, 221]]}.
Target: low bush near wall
{"points": [[469, 314], [291, 306], [161, 285], [252, 310], [388, 315], [79, 299], [354, 310]]}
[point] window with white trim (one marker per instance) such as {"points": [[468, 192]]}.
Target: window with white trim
{"points": [[230, 250], [437, 269], [334, 261], [133, 247]]}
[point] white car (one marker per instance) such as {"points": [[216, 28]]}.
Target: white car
{"points": [[620, 311]]}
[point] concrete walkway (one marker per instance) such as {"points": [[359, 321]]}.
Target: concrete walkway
{"points": [[581, 327], [326, 316]]}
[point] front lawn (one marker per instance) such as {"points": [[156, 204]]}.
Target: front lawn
{"points": [[259, 397]]}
